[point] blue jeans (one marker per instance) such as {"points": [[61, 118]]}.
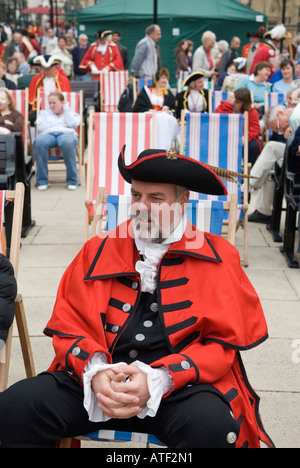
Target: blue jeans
{"points": [[67, 142]]}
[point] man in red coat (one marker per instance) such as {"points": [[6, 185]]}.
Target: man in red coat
{"points": [[147, 328], [250, 49], [51, 78], [102, 55], [270, 50]]}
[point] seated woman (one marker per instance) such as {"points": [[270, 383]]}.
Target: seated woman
{"points": [[11, 120], [8, 292], [287, 71], [239, 102], [194, 98], [159, 98], [12, 73], [258, 85], [56, 127]]}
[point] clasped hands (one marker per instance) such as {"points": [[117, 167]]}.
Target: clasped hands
{"points": [[121, 391]]}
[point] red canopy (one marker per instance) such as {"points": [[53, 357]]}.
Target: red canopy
{"points": [[40, 10]]}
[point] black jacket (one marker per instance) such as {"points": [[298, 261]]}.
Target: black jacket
{"points": [[8, 292], [143, 103]]}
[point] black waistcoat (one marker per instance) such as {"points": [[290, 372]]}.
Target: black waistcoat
{"points": [[143, 339]]}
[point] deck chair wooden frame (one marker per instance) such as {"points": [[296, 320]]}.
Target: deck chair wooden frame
{"points": [[75, 100], [20, 97], [112, 85], [107, 133], [17, 196], [242, 218], [103, 203]]}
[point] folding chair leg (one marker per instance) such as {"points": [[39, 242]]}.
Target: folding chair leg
{"points": [[4, 367], [24, 337], [289, 237]]}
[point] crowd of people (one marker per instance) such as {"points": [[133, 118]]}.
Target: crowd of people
{"points": [[189, 375]]}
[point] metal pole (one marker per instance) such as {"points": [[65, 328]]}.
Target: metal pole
{"points": [[51, 14], [154, 11]]}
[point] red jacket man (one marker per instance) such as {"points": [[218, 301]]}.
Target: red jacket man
{"points": [[50, 70], [150, 319], [102, 55]]}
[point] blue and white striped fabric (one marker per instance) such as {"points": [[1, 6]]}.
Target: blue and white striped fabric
{"points": [[216, 139], [217, 97], [109, 435], [206, 215], [276, 98]]}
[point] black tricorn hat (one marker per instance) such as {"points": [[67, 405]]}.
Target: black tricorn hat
{"points": [[46, 61], [102, 33], [168, 167], [193, 77]]}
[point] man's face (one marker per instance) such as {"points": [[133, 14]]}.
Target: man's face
{"points": [[17, 37], [156, 34], [235, 43], [282, 122], [49, 72], [82, 41], [156, 210]]}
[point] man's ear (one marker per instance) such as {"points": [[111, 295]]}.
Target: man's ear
{"points": [[184, 198]]}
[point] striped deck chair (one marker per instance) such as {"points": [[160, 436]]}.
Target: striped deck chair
{"points": [[113, 130], [208, 216], [20, 97], [75, 101], [272, 99], [138, 84], [112, 85], [216, 139], [18, 197], [215, 98]]}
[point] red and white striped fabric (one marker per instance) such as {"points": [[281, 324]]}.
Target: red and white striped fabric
{"points": [[2, 238], [112, 85], [72, 98], [20, 97], [112, 132]]}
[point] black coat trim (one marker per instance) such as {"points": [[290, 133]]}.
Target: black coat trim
{"points": [[176, 306], [238, 348], [186, 341], [172, 261], [174, 283], [181, 325], [117, 304]]}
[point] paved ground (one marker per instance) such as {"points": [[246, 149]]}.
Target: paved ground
{"points": [[272, 367]]}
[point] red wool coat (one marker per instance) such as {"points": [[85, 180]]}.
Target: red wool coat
{"points": [[208, 309], [111, 60]]}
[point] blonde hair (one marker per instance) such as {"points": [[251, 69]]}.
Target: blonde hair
{"points": [[207, 36], [11, 103], [57, 94]]}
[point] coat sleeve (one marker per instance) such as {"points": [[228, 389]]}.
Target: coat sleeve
{"points": [[77, 332], [233, 321]]}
